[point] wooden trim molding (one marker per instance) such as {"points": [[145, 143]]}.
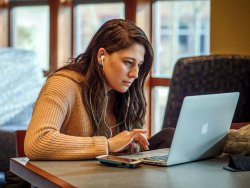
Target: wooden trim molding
{"points": [[4, 27], [3, 3], [54, 8], [73, 30], [160, 82], [130, 10], [10, 32], [66, 2]]}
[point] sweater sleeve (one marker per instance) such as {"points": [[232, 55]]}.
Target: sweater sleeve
{"points": [[43, 139]]}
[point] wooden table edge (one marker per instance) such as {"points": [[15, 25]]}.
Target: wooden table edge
{"points": [[36, 176]]}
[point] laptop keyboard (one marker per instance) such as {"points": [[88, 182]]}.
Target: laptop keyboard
{"points": [[158, 158]]}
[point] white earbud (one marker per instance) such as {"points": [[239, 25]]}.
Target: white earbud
{"points": [[102, 59]]}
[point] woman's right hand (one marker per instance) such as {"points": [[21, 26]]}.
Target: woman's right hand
{"points": [[122, 140]]}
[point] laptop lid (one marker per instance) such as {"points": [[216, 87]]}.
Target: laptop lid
{"points": [[203, 123]]}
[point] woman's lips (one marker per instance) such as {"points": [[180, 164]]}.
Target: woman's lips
{"points": [[127, 83]]}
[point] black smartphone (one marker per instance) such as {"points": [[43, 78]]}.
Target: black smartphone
{"points": [[118, 161]]}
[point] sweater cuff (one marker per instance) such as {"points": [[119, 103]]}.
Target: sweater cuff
{"points": [[101, 145]]}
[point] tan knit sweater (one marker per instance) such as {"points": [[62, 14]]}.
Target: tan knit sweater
{"points": [[60, 128]]}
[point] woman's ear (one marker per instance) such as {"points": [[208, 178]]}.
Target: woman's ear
{"points": [[102, 60], [101, 56]]}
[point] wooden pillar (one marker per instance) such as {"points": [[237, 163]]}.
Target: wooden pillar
{"points": [[130, 10], [4, 24], [54, 7]]}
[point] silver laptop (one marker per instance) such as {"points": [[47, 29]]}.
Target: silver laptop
{"points": [[203, 123]]}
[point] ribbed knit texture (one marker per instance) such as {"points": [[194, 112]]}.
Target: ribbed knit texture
{"points": [[60, 128]]}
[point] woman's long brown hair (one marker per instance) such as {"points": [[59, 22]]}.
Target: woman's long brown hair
{"points": [[114, 35]]}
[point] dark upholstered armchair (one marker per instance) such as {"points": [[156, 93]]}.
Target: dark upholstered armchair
{"points": [[207, 75]]}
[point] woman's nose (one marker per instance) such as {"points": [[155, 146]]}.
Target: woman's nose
{"points": [[133, 73]]}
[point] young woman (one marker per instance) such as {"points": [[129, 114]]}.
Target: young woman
{"points": [[96, 104]]}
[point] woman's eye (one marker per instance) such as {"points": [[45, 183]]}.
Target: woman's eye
{"points": [[128, 62]]}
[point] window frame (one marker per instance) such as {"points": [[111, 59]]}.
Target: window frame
{"points": [[132, 11], [156, 81]]}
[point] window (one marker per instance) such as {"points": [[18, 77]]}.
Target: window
{"points": [[160, 97], [181, 29], [89, 17], [30, 31]]}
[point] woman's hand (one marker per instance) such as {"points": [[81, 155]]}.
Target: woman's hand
{"points": [[122, 140]]}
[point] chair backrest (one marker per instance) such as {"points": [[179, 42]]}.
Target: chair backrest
{"points": [[20, 135], [208, 75]]}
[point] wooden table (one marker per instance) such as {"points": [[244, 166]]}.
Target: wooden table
{"points": [[202, 174]]}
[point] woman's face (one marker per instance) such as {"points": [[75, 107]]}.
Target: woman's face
{"points": [[121, 68]]}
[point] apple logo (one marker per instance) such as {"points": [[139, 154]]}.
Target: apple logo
{"points": [[204, 128]]}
